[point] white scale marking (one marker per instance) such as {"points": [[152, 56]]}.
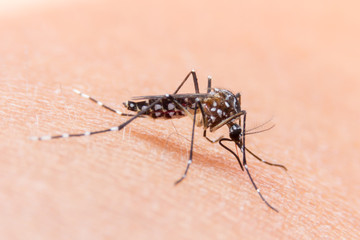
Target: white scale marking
{"points": [[227, 104], [157, 107], [45, 138], [132, 105], [171, 106], [213, 109], [219, 112], [171, 114], [143, 108], [114, 129], [213, 118], [84, 95], [157, 114], [214, 104]]}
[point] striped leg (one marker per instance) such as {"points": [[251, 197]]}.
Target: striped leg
{"points": [[102, 105], [191, 146], [118, 128], [88, 133]]}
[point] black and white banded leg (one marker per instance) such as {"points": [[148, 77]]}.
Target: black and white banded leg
{"points": [[197, 102], [243, 150], [120, 127], [102, 104], [116, 128]]}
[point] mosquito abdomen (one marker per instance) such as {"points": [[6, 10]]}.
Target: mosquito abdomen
{"points": [[165, 109]]}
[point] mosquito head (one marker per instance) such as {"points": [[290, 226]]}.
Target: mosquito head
{"points": [[235, 132]]}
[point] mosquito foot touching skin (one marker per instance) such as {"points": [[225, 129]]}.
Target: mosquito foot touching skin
{"points": [[216, 108]]}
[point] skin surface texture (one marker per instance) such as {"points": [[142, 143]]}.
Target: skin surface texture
{"points": [[296, 63]]}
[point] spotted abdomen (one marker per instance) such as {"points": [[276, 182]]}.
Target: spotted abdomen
{"points": [[164, 109]]}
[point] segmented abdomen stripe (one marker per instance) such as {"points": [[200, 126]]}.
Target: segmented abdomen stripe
{"points": [[166, 108]]}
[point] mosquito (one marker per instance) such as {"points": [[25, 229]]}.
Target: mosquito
{"points": [[211, 111]]}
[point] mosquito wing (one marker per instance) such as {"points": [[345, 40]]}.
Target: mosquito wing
{"points": [[176, 96]]}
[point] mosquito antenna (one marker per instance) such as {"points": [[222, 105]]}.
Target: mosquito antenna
{"points": [[260, 131], [259, 126]]}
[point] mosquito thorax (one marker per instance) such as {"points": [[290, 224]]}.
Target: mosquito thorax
{"points": [[235, 132]]}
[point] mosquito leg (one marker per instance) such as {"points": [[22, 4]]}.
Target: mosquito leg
{"points": [[133, 117], [191, 146], [209, 84], [196, 84], [242, 147], [236, 156], [237, 115], [205, 123], [116, 128], [210, 140], [262, 160], [101, 104]]}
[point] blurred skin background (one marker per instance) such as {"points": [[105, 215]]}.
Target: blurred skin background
{"points": [[296, 61]]}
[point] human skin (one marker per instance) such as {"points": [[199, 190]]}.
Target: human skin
{"points": [[297, 64]]}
